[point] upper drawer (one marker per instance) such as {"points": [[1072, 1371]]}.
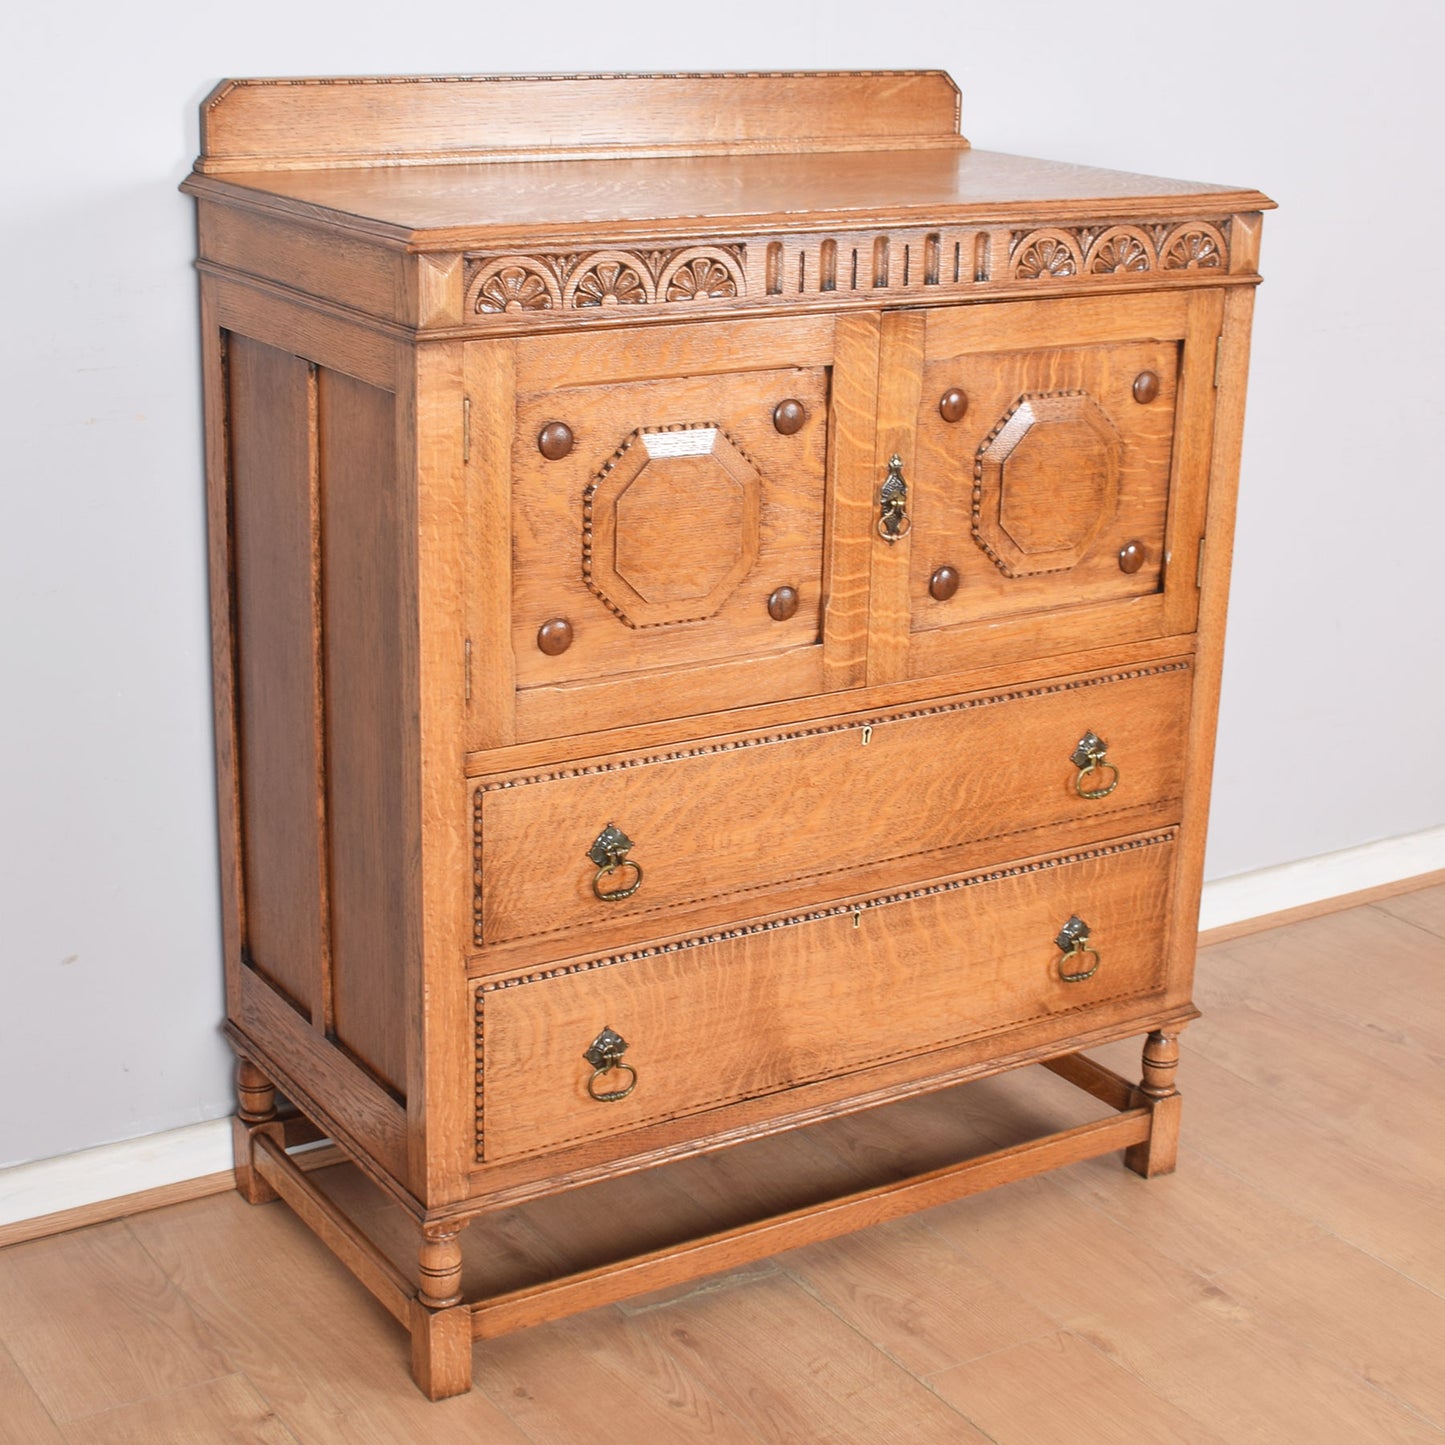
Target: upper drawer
{"points": [[716, 1019], [828, 801], [650, 510]]}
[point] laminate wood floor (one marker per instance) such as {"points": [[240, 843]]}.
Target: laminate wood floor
{"points": [[1287, 1284]]}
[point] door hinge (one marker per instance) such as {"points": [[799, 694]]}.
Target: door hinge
{"points": [[466, 434], [467, 670], [1199, 566], [1218, 358]]}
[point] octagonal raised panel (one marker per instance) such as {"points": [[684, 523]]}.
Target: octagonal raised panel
{"points": [[670, 525], [1045, 481]]}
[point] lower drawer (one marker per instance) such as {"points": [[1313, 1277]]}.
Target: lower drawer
{"points": [[769, 1005]]}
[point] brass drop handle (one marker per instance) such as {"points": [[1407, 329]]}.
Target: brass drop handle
{"points": [[609, 853], [1090, 758], [605, 1055], [1073, 942], [893, 519]]}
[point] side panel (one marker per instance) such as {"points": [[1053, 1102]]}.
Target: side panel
{"points": [[369, 736], [275, 521]]}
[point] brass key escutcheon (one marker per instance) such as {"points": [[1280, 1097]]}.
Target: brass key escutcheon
{"points": [[893, 519]]}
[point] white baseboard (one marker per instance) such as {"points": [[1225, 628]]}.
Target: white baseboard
{"points": [[1312, 880], [113, 1171]]}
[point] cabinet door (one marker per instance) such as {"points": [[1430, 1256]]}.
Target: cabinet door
{"points": [[650, 522], [1056, 461]]}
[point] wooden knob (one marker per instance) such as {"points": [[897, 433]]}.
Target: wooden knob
{"points": [[1146, 387], [783, 604], [789, 416], [1131, 557], [943, 584], [952, 404], [554, 637], [554, 441]]}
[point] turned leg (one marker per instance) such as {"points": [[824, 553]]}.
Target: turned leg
{"points": [[255, 1114], [1159, 1152], [441, 1329]]}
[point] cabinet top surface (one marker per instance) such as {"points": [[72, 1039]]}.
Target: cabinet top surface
{"points": [[456, 202], [436, 162]]}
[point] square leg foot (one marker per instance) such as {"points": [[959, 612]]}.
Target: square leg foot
{"points": [[441, 1350]]}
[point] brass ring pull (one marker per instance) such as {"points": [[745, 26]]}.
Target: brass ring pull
{"points": [[609, 853], [611, 1096], [1073, 942], [1090, 758], [605, 1053], [615, 895], [893, 519]]}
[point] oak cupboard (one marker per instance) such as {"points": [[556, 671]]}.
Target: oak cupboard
{"points": [[718, 596]]}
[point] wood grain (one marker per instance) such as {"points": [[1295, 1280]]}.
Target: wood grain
{"points": [[709, 824], [903, 1287], [274, 474], [825, 996], [1059, 1387], [393, 120], [137, 1335], [1203, 1306], [624, 361], [789, 1370], [470, 206], [25, 1417], [226, 1409], [369, 698], [1340, 1302], [325, 1356], [608, 1377]]}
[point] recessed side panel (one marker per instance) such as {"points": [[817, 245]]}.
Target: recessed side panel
{"points": [[274, 522], [370, 684]]}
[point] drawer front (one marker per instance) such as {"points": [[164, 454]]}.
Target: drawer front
{"points": [[742, 815], [714, 1020]]}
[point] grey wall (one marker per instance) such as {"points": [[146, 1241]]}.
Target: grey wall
{"points": [[109, 959]]}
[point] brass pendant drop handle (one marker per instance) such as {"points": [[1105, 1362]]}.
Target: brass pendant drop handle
{"points": [[1073, 942], [1092, 760], [605, 1055], [609, 853], [893, 519]]}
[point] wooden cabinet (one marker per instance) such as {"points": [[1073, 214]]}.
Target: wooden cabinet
{"points": [[718, 595]]}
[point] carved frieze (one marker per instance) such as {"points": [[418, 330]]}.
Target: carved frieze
{"points": [[1116, 250], [939, 261], [583, 280]]}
